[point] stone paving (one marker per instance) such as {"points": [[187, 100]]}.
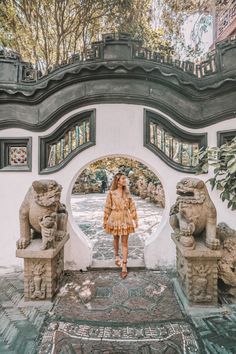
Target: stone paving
{"points": [[97, 312], [87, 210], [217, 330], [20, 323]]}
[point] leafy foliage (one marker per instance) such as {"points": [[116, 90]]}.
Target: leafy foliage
{"points": [[223, 160], [121, 164], [47, 32]]}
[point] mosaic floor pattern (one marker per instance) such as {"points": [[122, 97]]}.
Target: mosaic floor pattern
{"points": [[87, 210], [173, 337], [104, 296], [139, 314], [98, 313]]}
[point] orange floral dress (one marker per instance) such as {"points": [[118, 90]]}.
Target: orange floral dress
{"points": [[119, 214]]}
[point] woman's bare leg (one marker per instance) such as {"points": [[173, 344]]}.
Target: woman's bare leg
{"points": [[116, 248], [116, 244], [124, 251]]}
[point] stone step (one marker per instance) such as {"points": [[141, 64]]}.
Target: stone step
{"points": [[110, 264]]}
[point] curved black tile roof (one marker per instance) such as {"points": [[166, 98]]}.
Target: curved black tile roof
{"points": [[118, 69]]}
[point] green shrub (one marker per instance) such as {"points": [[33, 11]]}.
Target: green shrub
{"points": [[223, 159]]}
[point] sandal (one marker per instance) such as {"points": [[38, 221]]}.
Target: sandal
{"points": [[124, 274], [117, 262]]}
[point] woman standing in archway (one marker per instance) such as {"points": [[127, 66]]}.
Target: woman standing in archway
{"points": [[120, 217]]}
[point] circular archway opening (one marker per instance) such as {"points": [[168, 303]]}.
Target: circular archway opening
{"points": [[88, 200]]}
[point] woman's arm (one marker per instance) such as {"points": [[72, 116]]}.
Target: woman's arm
{"points": [[133, 211], [107, 208]]}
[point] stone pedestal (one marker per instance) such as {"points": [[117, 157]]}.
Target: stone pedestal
{"points": [[43, 269], [197, 273]]}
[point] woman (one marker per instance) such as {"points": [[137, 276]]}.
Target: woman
{"points": [[120, 217]]}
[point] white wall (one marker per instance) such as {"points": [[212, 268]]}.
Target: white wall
{"points": [[119, 132]]}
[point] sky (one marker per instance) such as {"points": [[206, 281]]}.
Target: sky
{"points": [[201, 26]]}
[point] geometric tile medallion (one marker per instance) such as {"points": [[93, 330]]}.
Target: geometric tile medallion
{"points": [[18, 155]]}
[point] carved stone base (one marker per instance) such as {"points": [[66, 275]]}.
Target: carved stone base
{"points": [[197, 273], [43, 269]]}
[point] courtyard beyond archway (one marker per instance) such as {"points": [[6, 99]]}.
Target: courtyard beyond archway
{"points": [[88, 200], [87, 211]]}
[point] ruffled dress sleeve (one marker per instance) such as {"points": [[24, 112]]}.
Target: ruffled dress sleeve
{"points": [[107, 208], [133, 210]]}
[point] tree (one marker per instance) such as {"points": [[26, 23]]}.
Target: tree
{"points": [[47, 32], [125, 165]]}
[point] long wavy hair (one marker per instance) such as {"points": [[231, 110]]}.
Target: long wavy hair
{"points": [[114, 184]]}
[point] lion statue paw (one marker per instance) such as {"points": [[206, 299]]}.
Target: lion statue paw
{"points": [[213, 244], [22, 243]]}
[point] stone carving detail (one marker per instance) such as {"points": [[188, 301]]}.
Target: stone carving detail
{"points": [[194, 214], [227, 264], [197, 273], [201, 284], [42, 212], [37, 284], [59, 270], [182, 269], [48, 230]]}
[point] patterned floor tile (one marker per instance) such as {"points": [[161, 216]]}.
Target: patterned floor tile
{"points": [[172, 337], [139, 314], [218, 331], [142, 296], [20, 324], [99, 313]]}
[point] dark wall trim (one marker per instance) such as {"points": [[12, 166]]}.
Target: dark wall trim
{"points": [[6, 144], [118, 82], [44, 141], [150, 116], [119, 98], [224, 136]]}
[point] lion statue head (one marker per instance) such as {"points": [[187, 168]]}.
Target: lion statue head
{"points": [[46, 192]]}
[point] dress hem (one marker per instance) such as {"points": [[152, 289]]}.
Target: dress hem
{"points": [[119, 231]]}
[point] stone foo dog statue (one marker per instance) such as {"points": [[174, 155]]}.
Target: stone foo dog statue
{"points": [[42, 212], [194, 214]]}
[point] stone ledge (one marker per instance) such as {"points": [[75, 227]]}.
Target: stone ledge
{"points": [[34, 251], [201, 250]]}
